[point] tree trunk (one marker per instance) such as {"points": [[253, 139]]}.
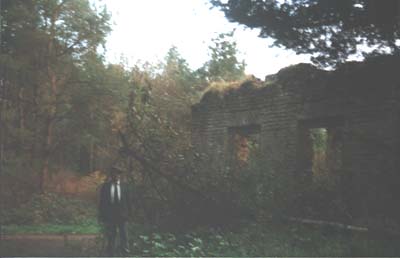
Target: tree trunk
{"points": [[2, 93], [49, 131], [35, 99], [91, 150], [21, 122], [91, 156], [52, 83], [3, 107], [1, 138], [21, 109], [47, 154]]}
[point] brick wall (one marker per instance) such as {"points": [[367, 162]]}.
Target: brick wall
{"points": [[360, 99]]}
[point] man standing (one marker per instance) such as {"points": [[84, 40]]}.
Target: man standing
{"points": [[114, 211]]}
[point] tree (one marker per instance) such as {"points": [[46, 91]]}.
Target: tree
{"points": [[158, 115], [176, 88], [97, 96], [329, 30], [176, 68], [224, 64], [43, 46]]}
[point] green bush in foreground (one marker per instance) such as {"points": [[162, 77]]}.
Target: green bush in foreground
{"points": [[257, 240], [50, 208], [247, 241], [89, 226]]}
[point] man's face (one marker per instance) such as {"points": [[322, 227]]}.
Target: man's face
{"points": [[115, 177]]}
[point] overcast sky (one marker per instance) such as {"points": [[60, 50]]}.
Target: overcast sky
{"points": [[145, 30]]}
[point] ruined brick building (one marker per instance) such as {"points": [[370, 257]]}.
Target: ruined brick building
{"points": [[356, 107]]}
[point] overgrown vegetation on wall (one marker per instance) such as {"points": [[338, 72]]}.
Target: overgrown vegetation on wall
{"points": [[323, 136]]}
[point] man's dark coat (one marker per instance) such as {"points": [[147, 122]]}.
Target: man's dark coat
{"points": [[114, 212]]}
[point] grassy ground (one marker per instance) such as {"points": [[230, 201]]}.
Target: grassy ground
{"points": [[264, 240], [250, 240], [86, 227]]}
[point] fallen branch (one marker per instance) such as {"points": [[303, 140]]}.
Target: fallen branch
{"points": [[328, 223], [147, 164], [339, 225], [171, 178]]}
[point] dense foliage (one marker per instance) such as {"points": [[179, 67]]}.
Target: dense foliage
{"points": [[329, 30], [49, 69], [64, 109], [50, 208], [253, 240], [259, 240], [224, 64]]}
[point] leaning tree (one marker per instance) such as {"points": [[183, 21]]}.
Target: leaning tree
{"points": [[331, 31]]}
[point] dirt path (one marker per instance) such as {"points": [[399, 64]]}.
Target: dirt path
{"points": [[49, 245]]}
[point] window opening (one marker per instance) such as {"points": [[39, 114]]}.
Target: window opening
{"points": [[244, 142]]}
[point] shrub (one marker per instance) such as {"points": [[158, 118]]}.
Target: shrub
{"points": [[255, 240], [50, 208]]}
